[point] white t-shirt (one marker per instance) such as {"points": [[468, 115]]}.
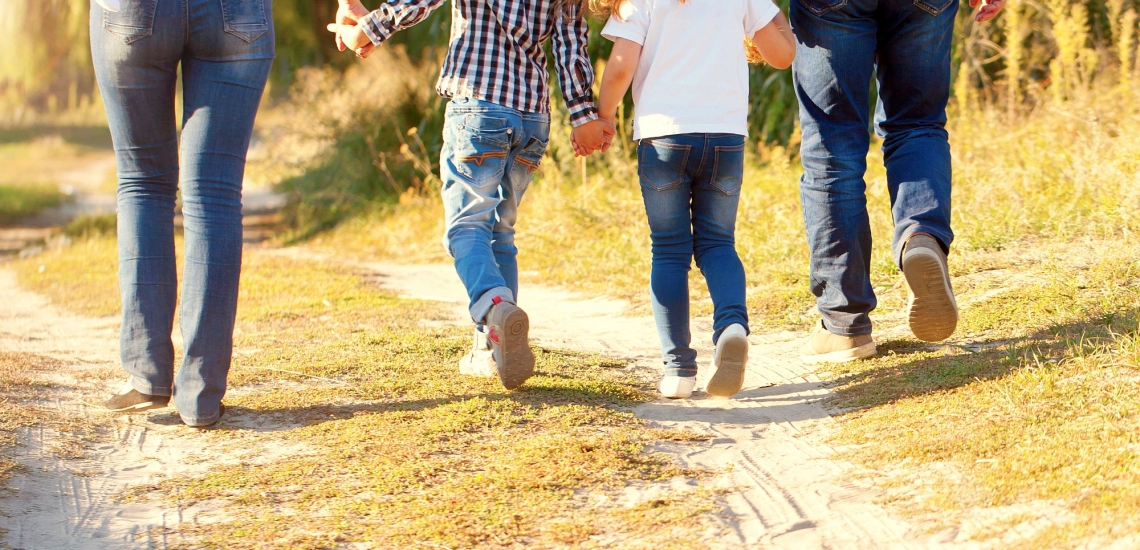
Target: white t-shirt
{"points": [[693, 73]]}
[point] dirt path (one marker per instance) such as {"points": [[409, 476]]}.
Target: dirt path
{"points": [[64, 503], [786, 490]]}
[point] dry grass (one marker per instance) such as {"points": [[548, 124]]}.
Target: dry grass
{"points": [[83, 278], [23, 392], [1041, 404], [40, 154], [1032, 406], [397, 449]]}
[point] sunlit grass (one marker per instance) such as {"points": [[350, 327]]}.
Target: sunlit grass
{"points": [[1033, 403], [43, 155], [399, 448], [1043, 406], [82, 278]]}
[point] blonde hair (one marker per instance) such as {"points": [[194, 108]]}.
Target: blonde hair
{"points": [[612, 8]]}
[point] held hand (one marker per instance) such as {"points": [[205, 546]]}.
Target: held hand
{"points": [[609, 131], [348, 13], [988, 10], [353, 37], [592, 136]]}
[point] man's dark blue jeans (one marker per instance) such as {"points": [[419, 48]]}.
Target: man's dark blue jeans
{"points": [[841, 46]]}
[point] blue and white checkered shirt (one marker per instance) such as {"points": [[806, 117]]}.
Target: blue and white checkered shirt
{"points": [[496, 50]]}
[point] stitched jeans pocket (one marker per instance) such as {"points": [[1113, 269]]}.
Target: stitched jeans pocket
{"points": [[820, 7], [478, 146], [661, 165], [133, 22], [245, 19], [527, 162], [728, 172], [934, 7]]}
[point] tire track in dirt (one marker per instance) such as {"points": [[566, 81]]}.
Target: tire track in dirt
{"points": [[62, 502], [784, 487]]}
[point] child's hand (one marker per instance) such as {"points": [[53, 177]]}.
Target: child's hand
{"points": [[348, 13], [592, 136], [988, 10], [353, 38]]}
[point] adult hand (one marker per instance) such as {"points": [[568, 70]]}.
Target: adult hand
{"points": [[988, 10], [608, 132], [347, 14], [353, 37], [592, 136]]}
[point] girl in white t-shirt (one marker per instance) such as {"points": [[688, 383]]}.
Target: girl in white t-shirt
{"points": [[688, 65]]}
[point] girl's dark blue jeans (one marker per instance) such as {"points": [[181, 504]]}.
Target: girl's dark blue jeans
{"points": [[690, 184]]}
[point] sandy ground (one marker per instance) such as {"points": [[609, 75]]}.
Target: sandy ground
{"points": [[62, 503], [785, 487], [787, 490]]}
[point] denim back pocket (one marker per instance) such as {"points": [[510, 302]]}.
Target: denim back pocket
{"points": [[527, 162], [820, 7], [245, 19], [478, 145], [661, 164], [934, 7], [134, 20], [728, 171], [488, 129]]}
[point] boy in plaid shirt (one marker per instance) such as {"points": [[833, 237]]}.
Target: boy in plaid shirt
{"points": [[495, 133]]}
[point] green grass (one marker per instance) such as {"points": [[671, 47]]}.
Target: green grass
{"points": [[394, 447], [22, 201]]}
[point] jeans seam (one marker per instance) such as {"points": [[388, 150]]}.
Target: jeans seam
{"points": [[704, 155], [259, 29], [931, 9], [716, 167], [824, 11], [688, 149]]}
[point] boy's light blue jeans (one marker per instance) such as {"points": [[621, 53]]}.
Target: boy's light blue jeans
{"points": [[691, 188], [225, 48], [490, 154], [841, 45]]}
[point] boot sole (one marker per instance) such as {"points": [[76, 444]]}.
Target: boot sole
{"points": [[731, 358], [842, 356], [515, 360], [932, 313]]}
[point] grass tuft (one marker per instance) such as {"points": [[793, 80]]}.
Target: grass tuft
{"points": [[389, 446]]}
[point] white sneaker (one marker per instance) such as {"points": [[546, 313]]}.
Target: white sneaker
{"points": [[729, 361], [677, 387], [480, 361]]}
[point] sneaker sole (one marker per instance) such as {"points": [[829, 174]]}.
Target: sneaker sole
{"points": [[138, 407], [932, 313], [728, 376], [842, 356], [515, 361]]}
